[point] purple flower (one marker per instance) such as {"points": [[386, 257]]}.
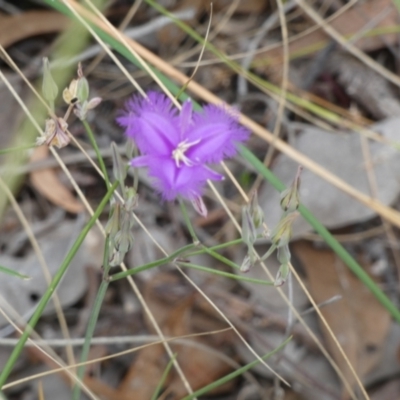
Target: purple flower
{"points": [[177, 147]]}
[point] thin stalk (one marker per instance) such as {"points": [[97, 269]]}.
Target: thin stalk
{"points": [[217, 247], [163, 378], [93, 319], [188, 222], [234, 374], [97, 151], [162, 261], [52, 287], [225, 274]]}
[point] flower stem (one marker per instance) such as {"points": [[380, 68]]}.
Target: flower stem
{"points": [[188, 222], [225, 274], [162, 261]]}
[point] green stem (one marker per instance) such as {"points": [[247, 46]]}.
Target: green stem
{"points": [[163, 377], [217, 247], [97, 151], [188, 222], [93, 320], [225, 274], [221, 258], [52, 287], [162, 261]]}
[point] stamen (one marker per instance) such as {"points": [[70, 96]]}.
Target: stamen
{"points": [[179, 153]]}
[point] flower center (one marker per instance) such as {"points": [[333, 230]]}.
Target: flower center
{"points": [[179, 153]]}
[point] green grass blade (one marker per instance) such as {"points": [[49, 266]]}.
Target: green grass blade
{"points": [[11, 272], [163, 378]]}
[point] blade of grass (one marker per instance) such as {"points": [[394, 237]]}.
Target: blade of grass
{"points": [[49, 292], [11, 272], [163, 378]]}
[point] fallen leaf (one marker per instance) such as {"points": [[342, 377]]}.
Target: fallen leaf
{"points": [[359, 322], [45, 181]]}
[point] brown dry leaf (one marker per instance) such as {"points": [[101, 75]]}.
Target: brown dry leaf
{"points": [[30, 23], [199, 366], [144, 374], [47, 183], [347, 24], [358, 320]]}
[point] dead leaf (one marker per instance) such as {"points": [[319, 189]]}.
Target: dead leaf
{"points": [[359, 322], [47, 183], [30, 23]]}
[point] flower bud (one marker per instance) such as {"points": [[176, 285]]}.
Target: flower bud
{"points": [[119, 167], [131, 200], [290, 198], [246, 264], [113, 224], [248, 261], [49, 87], [282, 233], [249, 231], [256, 211], [282, 275], [82, 89]]}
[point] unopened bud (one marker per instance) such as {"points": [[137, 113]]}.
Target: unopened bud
{"points": [[283, 254], [282, 275], [131, 199], [82, 90], [290, 198], [246, 264], [249, 231], [282, 233], [119, 167], [49, 87], [113, 224], [249, 261], [256, 211]]}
